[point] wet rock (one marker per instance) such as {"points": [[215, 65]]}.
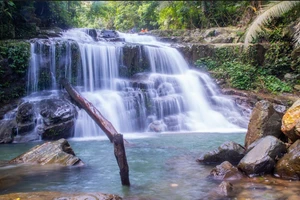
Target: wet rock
{"points": [[288, 167], [58, 119], [157, 126], [55, 111], [57, 152], [61, 130], [172, 122], [262, 158], [60, 196], [265, 120], [225, 171], [26, 118], [8, 129], [225, 188], [229, 151], [291, 122], [9, 108]]}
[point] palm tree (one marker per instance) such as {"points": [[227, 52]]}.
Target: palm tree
{"points": [[270, 11]]}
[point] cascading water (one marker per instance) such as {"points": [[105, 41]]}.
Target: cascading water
{"points": [[168, 96]]}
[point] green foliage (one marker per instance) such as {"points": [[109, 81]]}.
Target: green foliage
{"points": [[273, 84], [278, 58], [241, 76], [14, 60], [18, 54], [244, 76]]}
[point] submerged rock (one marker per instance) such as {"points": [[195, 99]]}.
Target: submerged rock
{"points": [[60, 196], [225, 188], [229, 151], [225, 171], [57, 152], [288, 167], [262, 158], [265, 120], [291, 122]]}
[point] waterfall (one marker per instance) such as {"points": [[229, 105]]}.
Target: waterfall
{"points": [[167, 93]]}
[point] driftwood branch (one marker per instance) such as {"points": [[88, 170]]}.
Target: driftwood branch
{"points": [[106, 126]]}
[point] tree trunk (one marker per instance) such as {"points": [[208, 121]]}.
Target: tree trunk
{"points": [[120, 154], [106, 126]]}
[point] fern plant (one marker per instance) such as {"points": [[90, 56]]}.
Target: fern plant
{"points": [[267, 13]]}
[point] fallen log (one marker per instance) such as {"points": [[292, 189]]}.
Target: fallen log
{"points": [[106, 126]]}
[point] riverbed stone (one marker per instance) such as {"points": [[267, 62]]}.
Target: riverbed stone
{"points": [[291, 122], [225, 171], [265, 120], [262, 158], [54, 195], [225, 188], [8, 129], [288, 167], [56, 152], [228, 151]]}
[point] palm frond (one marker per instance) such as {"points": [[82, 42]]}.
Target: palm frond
{"points": [[269, 12], [296, 36]]}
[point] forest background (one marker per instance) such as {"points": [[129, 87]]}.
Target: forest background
{"points": [[280, 31]]}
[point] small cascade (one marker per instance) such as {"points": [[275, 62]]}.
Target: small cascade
{"points": [[167, 92]]}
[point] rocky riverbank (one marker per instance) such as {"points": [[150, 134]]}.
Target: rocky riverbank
{"points": [[272, 147]]}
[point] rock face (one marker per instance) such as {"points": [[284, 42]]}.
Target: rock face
{"points": [[225, 171], [58, 119], [265, 120], [229, 151], [262, 158], [8, 129], [291, 122], [288, 167], [57, 152]]}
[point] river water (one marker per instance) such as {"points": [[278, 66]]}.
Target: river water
{"points": [[161, 166]]}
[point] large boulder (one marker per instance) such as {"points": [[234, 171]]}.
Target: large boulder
{"points": [[56, 152], [291, 122], [262, 158], [8, 129], [225, 171], [228, 151], [58, 119], [265, 120], [288, 167]]}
